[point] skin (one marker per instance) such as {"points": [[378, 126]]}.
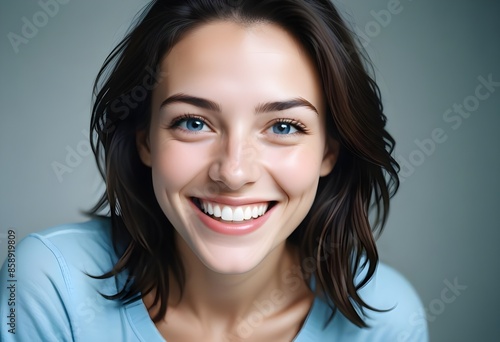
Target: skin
{"points": [[236, 153]]}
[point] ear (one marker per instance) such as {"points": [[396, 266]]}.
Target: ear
{"points": [[332, 148], [142, 143]]}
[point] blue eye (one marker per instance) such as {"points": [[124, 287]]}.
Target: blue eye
{"points": [[191, 124], [284, 128]]}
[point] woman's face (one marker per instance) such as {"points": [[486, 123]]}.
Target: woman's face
{"points": [[236, 143]]}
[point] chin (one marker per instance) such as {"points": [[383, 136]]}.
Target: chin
{"points": [[231, 257]]}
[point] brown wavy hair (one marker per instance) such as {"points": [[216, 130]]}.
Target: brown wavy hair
{"points": [[336, 235]]}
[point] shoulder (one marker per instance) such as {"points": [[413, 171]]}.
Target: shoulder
{"points": [[85, 246], [77, 234], [50, 278], [403, 318]]}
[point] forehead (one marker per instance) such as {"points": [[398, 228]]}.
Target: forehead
{"points": [[258, 61]]}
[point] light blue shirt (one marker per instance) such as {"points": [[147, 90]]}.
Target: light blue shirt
{"points": [[56, 301]]}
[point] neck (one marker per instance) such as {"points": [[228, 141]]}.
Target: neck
{"points": [[212, 294], [228, 299]]}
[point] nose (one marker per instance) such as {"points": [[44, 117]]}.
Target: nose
{"points": [[236, 163]]}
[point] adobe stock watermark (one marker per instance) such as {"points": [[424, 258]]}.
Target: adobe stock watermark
{"points": [[74, 157], [122, 106], [454, 116], [125, 103], [381, 19], [93, 306], [32, 25], [435, 308]]}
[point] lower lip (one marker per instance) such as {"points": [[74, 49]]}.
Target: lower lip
{"points": [[232, 228]]}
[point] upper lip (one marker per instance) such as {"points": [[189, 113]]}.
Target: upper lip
{"points": [[233, 201]]}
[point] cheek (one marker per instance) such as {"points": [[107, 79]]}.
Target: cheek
{"points": [[175, 164], [297, 170]]}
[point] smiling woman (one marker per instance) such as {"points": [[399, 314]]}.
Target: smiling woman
{"points": [[238, 186], [245, 72]]}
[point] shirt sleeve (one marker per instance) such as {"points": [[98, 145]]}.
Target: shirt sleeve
{"points": [[35, 294]]}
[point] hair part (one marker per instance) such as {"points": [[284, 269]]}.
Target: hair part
{"points": [[336, 233]]}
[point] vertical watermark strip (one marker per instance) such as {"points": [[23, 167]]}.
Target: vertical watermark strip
{"points": [[11, 280]]}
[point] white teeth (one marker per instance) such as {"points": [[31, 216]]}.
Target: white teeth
{"points": [[227, 214], [217, 211], [261, 210], [248, 213], [255, 212], [236, 214]]}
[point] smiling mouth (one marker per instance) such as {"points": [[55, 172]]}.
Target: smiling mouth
{"points": [[228, 213]]}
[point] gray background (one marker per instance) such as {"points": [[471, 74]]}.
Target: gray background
{"points": [[444, 224]]}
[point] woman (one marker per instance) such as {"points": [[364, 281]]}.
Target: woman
{"points": [[242, 144]]}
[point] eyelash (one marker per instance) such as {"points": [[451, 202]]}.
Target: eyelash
{"points": [[176, 122], [301, 128]]}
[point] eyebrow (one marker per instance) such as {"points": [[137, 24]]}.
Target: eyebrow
{"points": [[275, 106]]}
